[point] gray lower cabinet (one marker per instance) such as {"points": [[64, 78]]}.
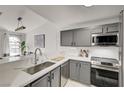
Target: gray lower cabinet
{"points": [[42, 82], [55, 77], [80, 71], [64, 73], [74, 70], [52, 79], [84, 71]]}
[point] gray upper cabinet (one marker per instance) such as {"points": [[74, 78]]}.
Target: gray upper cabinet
{"points": [[76, 37], [66, 38], [82, 37], [42, 82], [96, 29], [111, 27], [104, 29], [55, 77]]}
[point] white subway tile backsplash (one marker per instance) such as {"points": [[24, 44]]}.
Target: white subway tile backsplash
{"points": [[109, 52]]}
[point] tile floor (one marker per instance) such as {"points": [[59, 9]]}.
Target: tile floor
{"points": [[72, 83]]}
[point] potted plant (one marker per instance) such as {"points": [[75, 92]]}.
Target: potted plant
{"points": [[23, 48]]}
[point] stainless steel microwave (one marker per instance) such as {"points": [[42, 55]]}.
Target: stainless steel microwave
{"points": [[105, 39]]}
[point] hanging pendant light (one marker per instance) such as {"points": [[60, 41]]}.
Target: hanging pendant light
{"points": [[0, 13], [20, 25]]}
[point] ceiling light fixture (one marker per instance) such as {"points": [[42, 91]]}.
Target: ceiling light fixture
{"points": [[0, 13], [20, 25], [88, 5]]}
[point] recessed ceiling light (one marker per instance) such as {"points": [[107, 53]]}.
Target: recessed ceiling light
{"points": [[88, 5]]}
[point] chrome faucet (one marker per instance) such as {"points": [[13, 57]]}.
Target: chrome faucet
{"points": [[35, 53]]}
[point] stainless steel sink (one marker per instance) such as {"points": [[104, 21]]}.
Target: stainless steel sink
{"points": [[39, 67]]}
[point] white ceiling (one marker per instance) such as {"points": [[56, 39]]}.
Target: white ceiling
{"points": [[61, 15], [8, 19], [64, 15]]}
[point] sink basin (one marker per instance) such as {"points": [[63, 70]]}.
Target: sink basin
{"points": [[39, 67]]}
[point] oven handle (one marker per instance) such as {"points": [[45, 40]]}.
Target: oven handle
{"points": [[105, 68]]}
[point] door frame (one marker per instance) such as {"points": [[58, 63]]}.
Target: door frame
{"points": [[121, 49]]}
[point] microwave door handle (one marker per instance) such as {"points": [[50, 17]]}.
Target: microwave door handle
{"points": [[93, 39]]}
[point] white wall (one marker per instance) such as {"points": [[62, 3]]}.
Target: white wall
{"points": [[49, 30], [109, 52]]}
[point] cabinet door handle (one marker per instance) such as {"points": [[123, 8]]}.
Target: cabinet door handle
{"points": [[74, 43], [107, 29], [80, 65], [76, 64], [71, 43], [102, 29], [52, 76], [48, 78]]}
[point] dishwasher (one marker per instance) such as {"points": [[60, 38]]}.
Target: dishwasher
{"points": [[64, 73]]}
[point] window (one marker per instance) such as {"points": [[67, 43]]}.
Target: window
{"points": [[14, 45]]}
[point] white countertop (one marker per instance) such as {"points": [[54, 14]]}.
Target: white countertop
{"points": [[12, 59], [12, 74]]}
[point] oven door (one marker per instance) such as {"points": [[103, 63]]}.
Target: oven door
{"points": [[105, 39], [104, 78]]}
